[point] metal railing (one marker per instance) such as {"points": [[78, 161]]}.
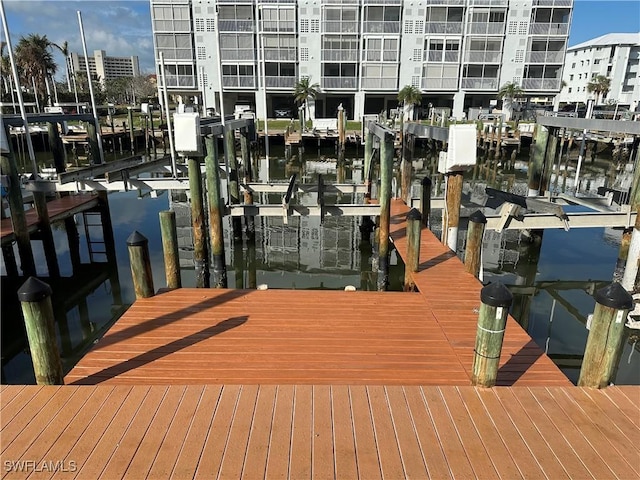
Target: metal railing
{"points": [[451, 56], [440, 83], [443, 27], [236, 25], [371, 26], [390, 83], [339, 82], [486, 28], [340, 55], [482, 56], [239, 82], [278, 26], [180, 81], [240, 54], [541, 83], [545, 57], [281, 54], [340, 27], [280, 82], [549, 28], [479, 83]]}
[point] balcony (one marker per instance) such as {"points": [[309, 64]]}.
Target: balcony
{"points": [[339, 82], [440, 83], [381, 27], [380, 83], [281, 54], [239, 82], [552, 3], [240, 54], [545, 57], [541, 84], [181, 81], [280, 82], [443, 27], [235, 25], [339, 55], [278, 26], [486, 28], [451, 56], [482, 56], [339, 27], [549, 29], [479, 83], [177, 53]]}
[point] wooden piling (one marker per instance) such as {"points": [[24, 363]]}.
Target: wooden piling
{"points": [[386, 172], [492, 320], [200, 257], [92, 138], [452, 218], [234, 191], [48, 245], [170, 248], [406, 171], [138, 247], [216, 236], [604, 343], [153, 132], [132, 136], [56, 147], [245, 153], [18, 220], [549, 159], [425, 201], [536, 160], [414, 227], [368, 157], [473, 251], [35, 298]]}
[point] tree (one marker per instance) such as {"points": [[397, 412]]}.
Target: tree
{"points": [[408, 97], [5, 67], [303, 91], [508, 93], [35, 60], [600, 85], [64, 49]]}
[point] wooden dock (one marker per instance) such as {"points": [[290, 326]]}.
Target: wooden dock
{"points": [[205, 383], [59, 209]]}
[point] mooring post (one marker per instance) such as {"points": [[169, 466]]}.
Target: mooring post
{"points": [[453, 198], [245, 153], [473, 251], [138, 247], [551, 152], [8, 167], [406, 170], [425, 201], [48, 245], [132, 137], [153, 132], [536, 160], [198, 222], [341, 127], [234, 190], [368, 156], [604, 343], [216, 235], [414, 227], [386, 172], [56, 147], [170, 248], [35, 298], [92, 138], [252, 276], [492, 320]]}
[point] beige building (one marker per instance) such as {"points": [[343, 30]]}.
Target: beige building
{"points": [[103, 67]]}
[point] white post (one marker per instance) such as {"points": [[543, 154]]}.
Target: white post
{"points": [[582, 146], [204, 93], [46, 82], [174, 168], [55, 89], [23, 112], [631, 267], [75, 89], [35, 93], [93, 100], [13, 97]]}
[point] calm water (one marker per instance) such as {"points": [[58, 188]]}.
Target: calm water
{"points": [[551, 290]]}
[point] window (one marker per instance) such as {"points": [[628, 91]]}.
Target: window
{"points": [[573, 65], [315, 26], [199, 24], [202, 53], [304, 54], [571, 77], [304, 25], [596, 61], [211, 25], [569, 90]]}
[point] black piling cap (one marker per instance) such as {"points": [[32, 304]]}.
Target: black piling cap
{"points": [[426, 181], [136, 239], [478, 217], [33, 290], [496, 295], [414, 214], [614, 296]]}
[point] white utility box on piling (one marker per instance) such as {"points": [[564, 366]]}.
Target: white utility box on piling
{"points": [[461, 151], [186, 128]]}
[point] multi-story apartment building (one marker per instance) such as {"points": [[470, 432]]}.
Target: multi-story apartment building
{"points": [[360, 52], [103, 67], [615, 56]]}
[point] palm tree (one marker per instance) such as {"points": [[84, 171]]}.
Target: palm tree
{"points": [[508, 93], [5, 67], [64, 49], [408, 97], [600, 85], [303, 91], [35, 60]]}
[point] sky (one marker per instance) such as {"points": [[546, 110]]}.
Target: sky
{"points": [[123, 27]]}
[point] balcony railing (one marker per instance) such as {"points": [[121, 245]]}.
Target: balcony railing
{"points": [[381, 27], [281, 54], [180, 81], [545, 57], [241, 54], [278, 26], [549, 28], [340, 55], [443, 27], [541, 83], [552, 3], [486, 28], [340, 27], [177, 53], [482, 56], [451, 56], [235, 25], [339, 82], [280, 82], [479, 83], [380, 83], [239, 82], [440, 83]]}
